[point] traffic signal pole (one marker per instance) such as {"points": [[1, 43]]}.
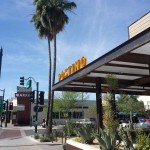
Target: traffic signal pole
{"points": [[37, 101], [6, 118], [29, 84], [2, 104]]}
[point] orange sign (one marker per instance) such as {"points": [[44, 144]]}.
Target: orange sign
{"points": [[73, 68]]}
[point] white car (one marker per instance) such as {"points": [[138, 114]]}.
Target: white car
{"points": [[86, 121], [141, 124]]}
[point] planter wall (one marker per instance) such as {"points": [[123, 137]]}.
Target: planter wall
{"points": [[72, 145]]}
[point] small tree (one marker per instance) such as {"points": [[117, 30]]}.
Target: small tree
{"points": [[67, 101], [129, 103], [92, 110]]}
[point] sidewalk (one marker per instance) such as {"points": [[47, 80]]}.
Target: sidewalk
{"points": [[21, 138], [24, 143]]}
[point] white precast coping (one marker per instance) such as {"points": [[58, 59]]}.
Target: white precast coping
{"points": [[19, 108], [81, 146]]}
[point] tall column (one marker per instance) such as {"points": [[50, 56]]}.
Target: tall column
{"points": [[99, 104]]}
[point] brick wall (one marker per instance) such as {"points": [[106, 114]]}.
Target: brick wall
{"points": [[23, 117]]}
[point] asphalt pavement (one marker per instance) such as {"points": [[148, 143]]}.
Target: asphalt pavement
{"points": [[22, 138]]}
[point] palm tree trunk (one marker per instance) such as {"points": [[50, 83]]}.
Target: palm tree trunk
{"points": [[49, 88], [54, 61], [53, 82]]}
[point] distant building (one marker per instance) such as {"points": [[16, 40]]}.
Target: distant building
{"points": [[80, 112], [23, 111], [146, 101]]}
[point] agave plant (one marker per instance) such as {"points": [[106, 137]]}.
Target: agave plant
{"points": [[86, 132], [107, 139]]}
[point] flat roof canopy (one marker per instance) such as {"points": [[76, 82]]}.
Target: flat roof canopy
{"points": [[129, 62]]}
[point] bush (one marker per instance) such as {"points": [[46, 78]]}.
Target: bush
{"points": [[36, 136], [142, 141], [70, 128], [58, 134], [86, 132], [46, 138], [78, 139], [107, 140], [64, 146]]}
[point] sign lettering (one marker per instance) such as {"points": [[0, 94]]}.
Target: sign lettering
{"points": [[73, 68]]}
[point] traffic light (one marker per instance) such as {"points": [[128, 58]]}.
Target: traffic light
{"points": [[41, 98], [4, 106], [22, 81], [32, 95], [11, 106], [1, 106], [38, 109], [28, 84]]}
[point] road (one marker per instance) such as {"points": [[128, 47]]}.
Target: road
{"points": [[21, 138]]}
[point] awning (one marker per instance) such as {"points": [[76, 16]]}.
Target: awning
{"points": [[129, 62]]}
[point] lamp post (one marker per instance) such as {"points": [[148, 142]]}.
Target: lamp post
{"points": [[2, 103]]}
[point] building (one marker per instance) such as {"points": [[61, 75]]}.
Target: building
{"points": [[80, 112], [23, 112]]}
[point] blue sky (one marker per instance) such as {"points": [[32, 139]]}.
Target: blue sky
{"points": [[95, 27]]}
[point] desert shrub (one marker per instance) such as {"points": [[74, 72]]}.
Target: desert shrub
{"points": [[36, 136], [46, 138], [64, 146], [86, 132], [142, 141], [70, 128], [107, 140], [79, 139]]}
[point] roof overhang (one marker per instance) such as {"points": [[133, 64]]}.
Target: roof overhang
{"points": [[129, 62]]}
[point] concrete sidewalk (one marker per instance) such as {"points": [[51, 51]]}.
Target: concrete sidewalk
{"points": [[21, 138], [24, 143]]}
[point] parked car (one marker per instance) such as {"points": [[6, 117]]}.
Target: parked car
{"points": [[141, 123], [86, 121], [147, 120]]}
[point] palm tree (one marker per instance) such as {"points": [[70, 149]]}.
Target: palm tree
{"points": [[61, 19], [44, 32], [50, 19]]}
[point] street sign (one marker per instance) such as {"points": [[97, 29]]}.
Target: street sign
{"points": [[28, 84], [23, 94]]}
